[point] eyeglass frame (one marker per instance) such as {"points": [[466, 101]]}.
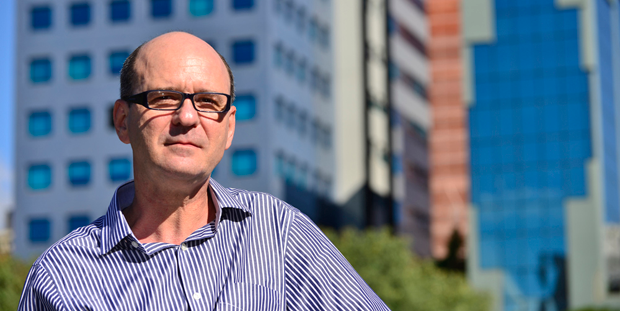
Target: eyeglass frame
{"points": [[142, 100]]}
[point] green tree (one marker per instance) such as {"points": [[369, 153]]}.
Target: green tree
{"points": [[13, 274], [403, 281]]}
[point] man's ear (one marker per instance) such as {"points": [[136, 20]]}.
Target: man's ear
{"points": [[231, 126], [120, 114]]}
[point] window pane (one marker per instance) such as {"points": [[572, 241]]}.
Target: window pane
{"points": [[161, 8], [200, 7], [117, 59], [244, 162], [39, 123], [119, 169], [79, 67], [80, 14], [78, 221], [246, 107], [39, 176], [41, 17], [79, 120], [279, 108], [39, 230], [301, 70], [243, 52], [79, 173], [40, 70], [243, 4], [120, 10]]}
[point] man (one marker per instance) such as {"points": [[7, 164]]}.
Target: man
{"points": [[174, 239]]}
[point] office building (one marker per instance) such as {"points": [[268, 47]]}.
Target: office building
{"points": [[540, 81], [69, 53]]}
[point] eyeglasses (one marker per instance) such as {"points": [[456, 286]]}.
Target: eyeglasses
{"points": [[173, 100]]}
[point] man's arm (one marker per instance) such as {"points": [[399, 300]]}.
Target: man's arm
{"points": [[40, 291], [318, 277]]}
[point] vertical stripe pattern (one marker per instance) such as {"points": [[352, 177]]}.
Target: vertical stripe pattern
{"points": [[259, 254]]}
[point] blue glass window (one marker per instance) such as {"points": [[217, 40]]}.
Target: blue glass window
{"points": [[78, 221], [243, 4], [244, 162], [246, 107], [80, 14], [79, 120], [39, 230], [79, 173], [39, 123], [39, 176], [119, 169], [120, 10], [41, 17], [243, 52], [40, 70], [161, 8], [79, 67], [200, 7], [117, 58], [301, 70]]}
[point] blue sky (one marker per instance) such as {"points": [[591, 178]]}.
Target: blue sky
{"points": [[6, 105]]}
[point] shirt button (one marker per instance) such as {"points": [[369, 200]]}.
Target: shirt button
{"points": [[134, 244], [184, 248], [197, 296]]}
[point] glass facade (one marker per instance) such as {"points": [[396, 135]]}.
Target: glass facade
{"points": [[39, 230], [246, 107], [244, 162], [120, 10], [200, 7], [40, 70], [119, 169], [79, 173], [117, 58], [243, 52], [80, 14], [79, 67], [242, 4], [77, 221], [39, 177], [530, 139], [608, 112], [79, 120], [40, 123], [41, 17], [161, 8]]}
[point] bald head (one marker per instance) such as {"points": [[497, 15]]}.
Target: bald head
{"points": [[178, 48]]}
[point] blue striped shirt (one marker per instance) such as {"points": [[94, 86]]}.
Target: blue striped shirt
{"points": [[258, 254]]}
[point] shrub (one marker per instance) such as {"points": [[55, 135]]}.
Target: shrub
{"points": [[13, 274], [403, 281]]}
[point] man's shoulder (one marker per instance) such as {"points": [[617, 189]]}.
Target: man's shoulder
{"points": [[256, 200]]}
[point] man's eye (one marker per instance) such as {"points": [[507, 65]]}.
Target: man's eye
{"points": [[205, 100]]}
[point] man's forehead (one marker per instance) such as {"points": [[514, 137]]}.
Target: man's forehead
{"points": [[179, 52]]}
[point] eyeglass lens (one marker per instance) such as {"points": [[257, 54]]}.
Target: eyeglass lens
{"points": [[170, 100]]}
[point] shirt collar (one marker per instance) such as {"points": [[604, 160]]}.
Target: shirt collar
{"points": [[115, 227]]}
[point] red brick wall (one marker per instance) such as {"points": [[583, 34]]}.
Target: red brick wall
{"points": [[449, 140]]}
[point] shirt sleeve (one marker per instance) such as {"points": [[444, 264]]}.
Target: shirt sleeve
{"points": [[318, 277], [40, 292]]}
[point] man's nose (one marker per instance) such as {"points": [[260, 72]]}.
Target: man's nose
{"points": [[186, 115]]}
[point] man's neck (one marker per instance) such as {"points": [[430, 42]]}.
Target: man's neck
{"points": [[159, 213]]}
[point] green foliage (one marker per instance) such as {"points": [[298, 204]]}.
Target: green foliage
{"points": [[401, 280], [597, 309], [13, 274]]}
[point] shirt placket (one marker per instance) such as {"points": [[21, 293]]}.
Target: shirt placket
{"points": [[195, 297]]}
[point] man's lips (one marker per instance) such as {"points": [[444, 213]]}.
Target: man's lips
{"points": [[181, 143]]}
